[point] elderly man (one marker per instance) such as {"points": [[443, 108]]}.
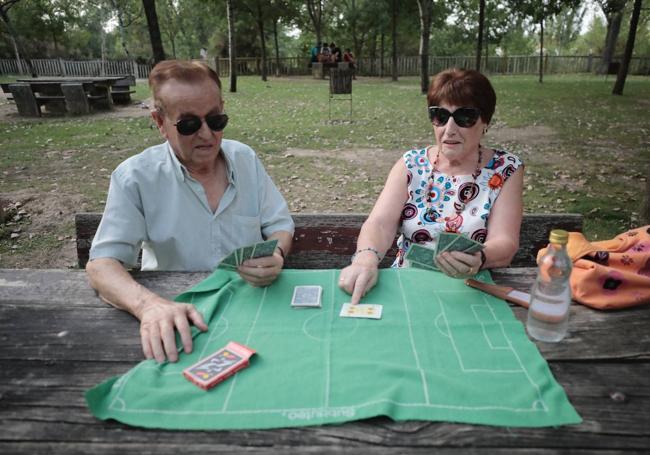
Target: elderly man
{"points": [[186, 203]]}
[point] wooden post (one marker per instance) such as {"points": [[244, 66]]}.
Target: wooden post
{"points": [[76, 101], [25, 100], [135, 68], [317, 70]]}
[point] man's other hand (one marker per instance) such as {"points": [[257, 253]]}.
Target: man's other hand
{"points": [[159, 319]]}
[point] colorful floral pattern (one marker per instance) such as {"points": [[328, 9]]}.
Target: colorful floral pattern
{"points": [[434, 199]]}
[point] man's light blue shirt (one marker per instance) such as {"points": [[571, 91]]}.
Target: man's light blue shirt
{"points": [[153, 203]]}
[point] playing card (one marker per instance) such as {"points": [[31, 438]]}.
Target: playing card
{"points": [[362, 310], [421, 257], [306, 296], [466, 245], [246, 253], [229, 262], [263, 249], [458, 242], [445, 240]]}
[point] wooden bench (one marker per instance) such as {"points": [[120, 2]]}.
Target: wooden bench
{"points": [[121, 90], [329, 240]]}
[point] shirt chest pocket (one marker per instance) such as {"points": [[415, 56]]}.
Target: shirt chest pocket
{"points": [[245, 230]]}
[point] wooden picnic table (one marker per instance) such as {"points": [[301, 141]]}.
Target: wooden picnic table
{"points": [[61, 95], [57, 339]]}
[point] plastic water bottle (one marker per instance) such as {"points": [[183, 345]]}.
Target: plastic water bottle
{"points": [[548, 314]]}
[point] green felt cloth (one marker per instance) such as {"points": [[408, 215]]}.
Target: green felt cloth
{"points": [[442, 351]]}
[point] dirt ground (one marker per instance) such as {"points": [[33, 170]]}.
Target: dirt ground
{"points": [[48, 211]]}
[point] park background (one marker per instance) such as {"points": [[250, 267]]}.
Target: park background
{"points": [[586, 150]]}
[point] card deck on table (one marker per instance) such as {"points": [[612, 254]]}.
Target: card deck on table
{"points": [[421, 257], [362, 310], [306, 296], [215, 368]]}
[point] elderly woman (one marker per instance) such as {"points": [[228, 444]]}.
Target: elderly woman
{"points": [[458, 185]]}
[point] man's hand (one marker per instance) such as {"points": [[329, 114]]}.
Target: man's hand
{"points": [[261, 271], [159, 318], [359, 277]]}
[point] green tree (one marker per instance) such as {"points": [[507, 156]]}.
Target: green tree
{"points": [[538, 11]]}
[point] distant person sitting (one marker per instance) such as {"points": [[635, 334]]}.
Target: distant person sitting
{"points": [[336, 53], [348, 57], [325, 53], [314, 53]]}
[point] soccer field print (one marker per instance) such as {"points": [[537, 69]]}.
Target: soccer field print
{"points": [[440, 351]]}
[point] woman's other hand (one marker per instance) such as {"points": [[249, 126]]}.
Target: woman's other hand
{"points": [[360, 276]]}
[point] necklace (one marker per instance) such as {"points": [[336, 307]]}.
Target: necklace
{"points": [[465, 192]]}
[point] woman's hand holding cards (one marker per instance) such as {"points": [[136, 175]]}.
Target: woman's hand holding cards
{"points": [[458, 264]]}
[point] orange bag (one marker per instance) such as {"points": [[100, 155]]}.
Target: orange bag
{"points": [[610, 274]]}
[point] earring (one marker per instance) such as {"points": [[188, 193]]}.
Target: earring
{"points": [[485, 130]]}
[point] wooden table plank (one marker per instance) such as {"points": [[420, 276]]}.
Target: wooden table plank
{"points": [[57, 339]]}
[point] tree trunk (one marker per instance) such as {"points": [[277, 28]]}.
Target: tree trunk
{"points": [[645, 211], [541, 49], [382, 42], [231, 45], [487, 43], [393, 25], [353, 30], [613, 29], [479, 44], [18, 47], [373, 53], [154, 30], [277, 48], [260, 27], [424, 7], [103, 52], [120, 23], [315, 9], [629, 47]]}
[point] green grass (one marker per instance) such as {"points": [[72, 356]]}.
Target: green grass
{"points": [[585, 150]]}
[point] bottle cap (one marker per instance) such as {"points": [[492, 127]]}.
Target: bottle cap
{"points": [[559, 236]]}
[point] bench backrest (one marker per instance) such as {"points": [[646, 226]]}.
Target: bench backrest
{"points": [[323, 241]]}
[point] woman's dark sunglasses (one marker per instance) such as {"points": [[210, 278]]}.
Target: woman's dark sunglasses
{"points": [[464, 117], [191, 124]]}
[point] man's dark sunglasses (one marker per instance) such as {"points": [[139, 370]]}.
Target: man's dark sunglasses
{"points": [[464, 117], [191, 124]]}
